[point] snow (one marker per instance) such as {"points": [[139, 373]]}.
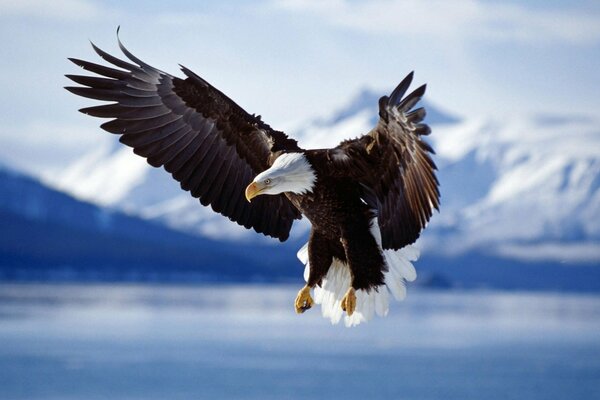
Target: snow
{"points": [[318, 137], [105, 176]]}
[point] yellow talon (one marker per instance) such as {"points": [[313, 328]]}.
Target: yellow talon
{"points": [[349, 302], [303, 300]]}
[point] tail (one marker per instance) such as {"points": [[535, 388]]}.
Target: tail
{"points": [[337, 281]]}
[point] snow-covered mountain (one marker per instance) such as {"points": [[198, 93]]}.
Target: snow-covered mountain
{"points": [[523, 188], [527, 188]]}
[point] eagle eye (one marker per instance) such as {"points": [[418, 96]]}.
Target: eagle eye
{"points": [[268, 181]]}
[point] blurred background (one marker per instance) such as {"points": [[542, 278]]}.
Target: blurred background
{"points": [[114, 283]]}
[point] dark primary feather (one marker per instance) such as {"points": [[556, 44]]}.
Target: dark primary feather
{"points": [[204, 139], [394, 167]]}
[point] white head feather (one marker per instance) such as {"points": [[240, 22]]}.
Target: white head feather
{"points": [[291, 172]]}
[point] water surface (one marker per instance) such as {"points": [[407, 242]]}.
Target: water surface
{"points": [[246, 342]]}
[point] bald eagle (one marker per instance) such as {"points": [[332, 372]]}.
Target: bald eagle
{"points": [[367, 199]]}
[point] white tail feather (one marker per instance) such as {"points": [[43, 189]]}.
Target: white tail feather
{"points": [[336, 282]]}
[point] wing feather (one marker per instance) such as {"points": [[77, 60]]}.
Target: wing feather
{"points": [[199, 135], [394, 165]]}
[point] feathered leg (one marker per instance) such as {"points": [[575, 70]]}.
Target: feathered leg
{"points": [[319, 258], [366, 265]]}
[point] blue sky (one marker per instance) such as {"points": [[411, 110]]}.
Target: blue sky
{"points": [[292, 60]]}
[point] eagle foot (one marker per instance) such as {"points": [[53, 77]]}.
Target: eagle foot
{"points": [[349, 302], [303, 300]]}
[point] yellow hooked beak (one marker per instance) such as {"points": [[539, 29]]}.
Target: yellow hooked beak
{"points": [[254, 189]]}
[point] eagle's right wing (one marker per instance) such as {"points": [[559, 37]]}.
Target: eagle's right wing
{"points": [[205, 140]]}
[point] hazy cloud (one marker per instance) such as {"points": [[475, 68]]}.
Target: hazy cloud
{"points": [[56, 9], [461, 19]]}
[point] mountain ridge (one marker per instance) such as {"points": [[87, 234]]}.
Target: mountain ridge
{"points": [[50, 235], [495, 174], [64, 240], [522, 192]]}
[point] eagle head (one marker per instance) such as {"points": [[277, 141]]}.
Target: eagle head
{"points": [[291, 172]]}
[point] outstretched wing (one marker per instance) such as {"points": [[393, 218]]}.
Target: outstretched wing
{"points": [[206, 141], [394, 166]]}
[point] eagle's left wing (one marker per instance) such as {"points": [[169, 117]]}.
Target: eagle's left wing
{"points": [[394, 167]]}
